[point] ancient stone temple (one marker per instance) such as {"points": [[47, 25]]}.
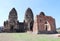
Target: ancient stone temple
{"points": [[44, 24], [28, 20], [41, 24], [12, 24]]}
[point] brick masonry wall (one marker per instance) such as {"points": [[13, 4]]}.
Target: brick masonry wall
{"points": [[44, 24]]}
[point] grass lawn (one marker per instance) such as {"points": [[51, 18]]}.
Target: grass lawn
{"points": [[28, 37]]}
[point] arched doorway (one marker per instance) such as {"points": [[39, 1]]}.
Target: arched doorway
{"points": [[47, 26]]}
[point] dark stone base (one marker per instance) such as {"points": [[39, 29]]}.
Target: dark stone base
{"points": [[47, 32]]}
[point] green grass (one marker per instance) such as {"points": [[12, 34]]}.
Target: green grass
{"points": [[27, 37]]}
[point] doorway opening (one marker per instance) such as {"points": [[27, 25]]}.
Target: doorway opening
{"points": [[46, 27], [11, 28]]}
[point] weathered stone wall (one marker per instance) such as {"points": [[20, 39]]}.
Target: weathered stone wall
{"points": [[21, 27], [44, 24]]}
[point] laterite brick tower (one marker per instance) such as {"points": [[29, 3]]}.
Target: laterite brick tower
{"points": [[44, 24]]}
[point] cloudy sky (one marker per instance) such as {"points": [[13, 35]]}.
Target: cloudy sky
{"points": [[49, 7]]}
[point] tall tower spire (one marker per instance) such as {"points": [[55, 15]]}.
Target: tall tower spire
{"points": [[13, 14], [29, 19]]}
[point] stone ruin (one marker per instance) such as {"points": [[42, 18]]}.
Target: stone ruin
{"points": [[28, 20], [44, 24], [12, 24], [41, 24]]}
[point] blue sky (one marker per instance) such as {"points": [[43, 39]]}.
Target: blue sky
{"points": [[49, 7]]}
